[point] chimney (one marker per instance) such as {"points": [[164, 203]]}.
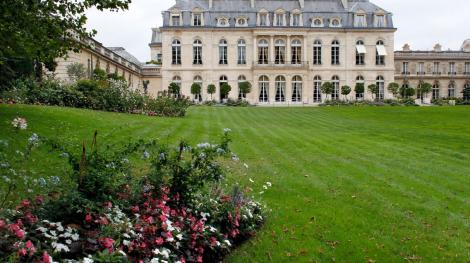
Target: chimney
{"points": [[437, 48], [302, 4], [345, 4], [252, 3], [210, 3]]}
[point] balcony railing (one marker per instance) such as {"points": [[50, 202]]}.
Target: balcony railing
{"points": [[274, 65], [405, 73], [436, 73], [420, 73], [453, 73]]}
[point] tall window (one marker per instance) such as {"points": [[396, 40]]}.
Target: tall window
{"points": [[380, 88], [280, 84], [436, 69], [177, 81], [175, 20], [197, 52], [467, 68], [176, 52], [263, 19], [317, 52], [223, 80], [223, 52], [360, 81], [405, 68], [198, 80], [317, 89], [280, 51], [263, 51], [380, 21], [296, 52], [296, 20], [380, 53], [451, 91], [360, 53], [241, 46], [296, 89], [452, 68], [197, 19], [263, 89], [241, 79], [361, 20], [421, 68], [279, 17], [335, 93], [335, 52], [435, 91]]}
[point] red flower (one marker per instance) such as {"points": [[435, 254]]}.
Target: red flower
{"points": [[135, 209], [29, 245], [103, 221], [182, 260], [45, 258], [22, 252], [25, 203], [107, 243], [2, 224], [88, 218], [213, 241], [199, 259]]}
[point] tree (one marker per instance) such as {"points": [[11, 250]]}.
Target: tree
{"points": [[211, 89], [76, 72], [406, 91], [245, 87], [327, 88], [196, 91], [359, 89], [99, 74], [425, 88], [373, 89], [225, 90], [394, 88], [37, 32], [345, 91], [466, 92], [174, 89]]}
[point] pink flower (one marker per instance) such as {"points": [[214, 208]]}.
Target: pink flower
{"points": [[2, 224], [29, 245], [22, 252], [108, 204], [135, 209], [107, 243], [159, 241], [19, 234], [103, 221], [88, 218], [45, 258], [25, 203]]}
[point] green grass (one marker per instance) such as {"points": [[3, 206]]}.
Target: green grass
{"points": [[349, 184]]}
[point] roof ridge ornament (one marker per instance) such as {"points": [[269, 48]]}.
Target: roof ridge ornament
{"points": [[345, 4], [302, 4]]}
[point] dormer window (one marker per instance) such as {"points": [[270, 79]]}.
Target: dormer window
{"points": [[335, 22], [280, 18], [241, 22], [380, 20], [175, 20], [296, 18], [360, 20], [197, 19], [263, 19], [222, 22], [317, 22]]}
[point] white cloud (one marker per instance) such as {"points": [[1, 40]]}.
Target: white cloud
{"points": [[421, 23]]}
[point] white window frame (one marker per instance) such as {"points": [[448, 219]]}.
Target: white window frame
{"points": [[296, 16], [280, 89], [223, 52], [194, 15], [223, 21], [317, 89], [320, 19], [297, 84], [176, 52], [239, 20], [263, 84], [380, 54], [380, 82], [197, 52], [317, 52], [173, 15], [335, 19], [296, 52], [360, 20], [263, 52], [264, 14], [335, 53], [241, 52], [279, 52], [380, 20], [336, 83], [360, 53], [241, 79], [279, 18]]}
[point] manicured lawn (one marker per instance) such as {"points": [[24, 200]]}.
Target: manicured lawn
{"points": [[349, 184]]}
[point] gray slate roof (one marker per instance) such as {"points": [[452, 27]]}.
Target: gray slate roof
{"points": [[124, 54]]}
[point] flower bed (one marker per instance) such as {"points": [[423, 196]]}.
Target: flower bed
{"points": [[177, 211]]}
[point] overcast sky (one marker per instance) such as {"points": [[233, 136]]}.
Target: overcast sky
{"points": [[421, 23]]}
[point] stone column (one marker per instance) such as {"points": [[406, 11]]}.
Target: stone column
{"points": [[255, 48], [288, 50], [271, 49]]}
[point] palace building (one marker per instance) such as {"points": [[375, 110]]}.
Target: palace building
{"points": [[285, 48]]}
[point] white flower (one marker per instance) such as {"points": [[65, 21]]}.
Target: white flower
{"points": [[68, 242], [265, 187], [204, 145], [204, 215], [251, 180], [235, 157], [212, 229], [269, 184], [227, 242], [246, 165], [122, 253], [41, 229], [155, 260], [262, 192], [58, 247], [227, 130], [75, 237], [88, 260], [146, 155], [20, 123], [126, 242], [34, 139]]}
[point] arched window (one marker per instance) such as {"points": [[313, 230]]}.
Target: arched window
{"points": [[335, 22], [223, 80], [360, 53], [263, 52], [435, 91], [280, 51], [280, 84], [176, 52], [317, 89], [241, 79], [197, 52], [317, 52], [223, 52], [359, 85], [451, 90], [263, 88], [241, 46], [297, 89], [335, 52], [380, 53], [317, 22], [198, 80], [177, 80], [296, 46], [335, 82], [380, 88]]}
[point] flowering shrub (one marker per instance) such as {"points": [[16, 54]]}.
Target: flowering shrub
{"points": [[176, 212], [19, 123]]}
